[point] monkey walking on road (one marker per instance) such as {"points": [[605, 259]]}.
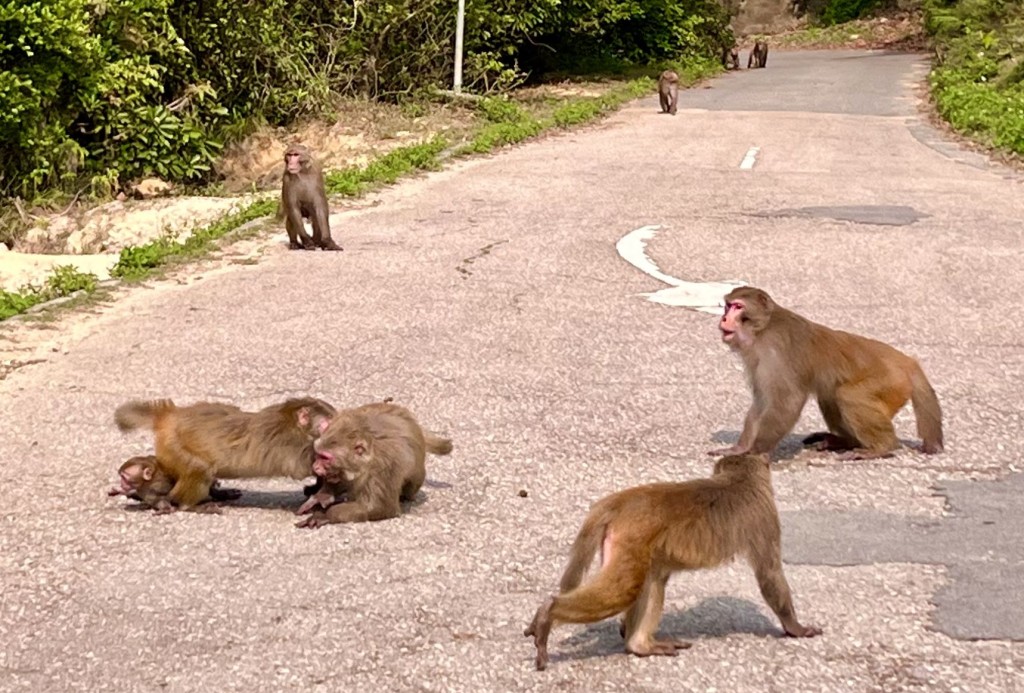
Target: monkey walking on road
{"points": [[668, 91], [646, 533]]}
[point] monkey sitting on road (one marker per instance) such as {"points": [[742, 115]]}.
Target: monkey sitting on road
{"points": [[859, 383], [731, 58], [646, 533], [303, 195], [758, 55]]}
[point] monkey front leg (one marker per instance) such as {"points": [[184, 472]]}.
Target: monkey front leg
{"points": [[767, 564], [747, 436], [296, 230], [322, 229], [355, 511]]}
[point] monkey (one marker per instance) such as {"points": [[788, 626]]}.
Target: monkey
{"points": [[324, 497], [197, 444], [140, 478], [730, 58], [859, 383], [668, 91], [646, 533], [376, 455], [758, 55], [303, 196]]}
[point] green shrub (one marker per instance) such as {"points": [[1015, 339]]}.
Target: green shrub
{"points": [[64, 280], [976, 82]]}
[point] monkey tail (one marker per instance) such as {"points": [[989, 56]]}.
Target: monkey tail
{"points": [[927, 412], [141, 414], [587, 543], [437, 445]]}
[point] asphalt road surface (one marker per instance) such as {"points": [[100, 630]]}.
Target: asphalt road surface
{"points": [[491, 300]]}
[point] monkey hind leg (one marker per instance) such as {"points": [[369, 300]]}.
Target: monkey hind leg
{"points": [[643, 618], [868, 418], [838, 437]]}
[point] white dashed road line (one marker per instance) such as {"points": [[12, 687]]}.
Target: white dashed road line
{"points": [[750, 159]]}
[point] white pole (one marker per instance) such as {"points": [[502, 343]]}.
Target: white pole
{"points": [[459, 21]]}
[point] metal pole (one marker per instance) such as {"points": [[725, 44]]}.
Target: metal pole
{"points": [[459, 21]]}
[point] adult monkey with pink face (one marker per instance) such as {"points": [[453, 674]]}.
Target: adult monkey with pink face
{"points": [[303, 196], [859, 383]]}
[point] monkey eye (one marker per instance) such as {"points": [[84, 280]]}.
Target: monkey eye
{"points": [[744, 318]]}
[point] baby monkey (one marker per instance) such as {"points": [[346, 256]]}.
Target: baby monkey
{"points": [[140, 478]]}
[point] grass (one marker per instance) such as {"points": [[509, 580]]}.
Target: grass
{"points": [[505, 121], [65, 280], [978, 81]]}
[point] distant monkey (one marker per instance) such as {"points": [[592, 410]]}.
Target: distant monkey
{"points": [[646, 533], [668, 91], [758, 55], [859, 383], [730, 58], [303, 196]]}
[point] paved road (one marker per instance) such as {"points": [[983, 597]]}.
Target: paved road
{"points": [[491, 300]]}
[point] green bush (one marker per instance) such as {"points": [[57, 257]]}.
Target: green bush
{"points": [[839, 11], [104, 92], [100, 91], [977, 81]]}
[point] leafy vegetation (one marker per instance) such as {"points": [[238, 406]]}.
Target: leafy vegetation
{"points": [[64, 281], [97, 94], [977, 82]]}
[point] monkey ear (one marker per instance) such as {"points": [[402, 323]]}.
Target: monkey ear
{"points": [[302, 416], [323, 423], [765, 301], [147, 473]]}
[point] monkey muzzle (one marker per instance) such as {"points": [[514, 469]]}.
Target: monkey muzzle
{"points": [[322, 463]]}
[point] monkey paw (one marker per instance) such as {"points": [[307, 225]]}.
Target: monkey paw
{"points": [[804, 631], [313, 521]]}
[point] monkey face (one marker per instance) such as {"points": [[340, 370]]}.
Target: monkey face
{"points": [[296, 159], [732, 322], [132, 475], [342, 451]]}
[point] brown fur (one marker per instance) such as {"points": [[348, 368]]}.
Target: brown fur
{"points": [[730, 58], [646, 533], [859, 383], [758, 55], [141, 478], [202, 442], [668, 91], [303, 195], [376, 455]]}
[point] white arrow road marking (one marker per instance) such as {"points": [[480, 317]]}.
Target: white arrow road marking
{"points": [[750, 159], [705, 297]]}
